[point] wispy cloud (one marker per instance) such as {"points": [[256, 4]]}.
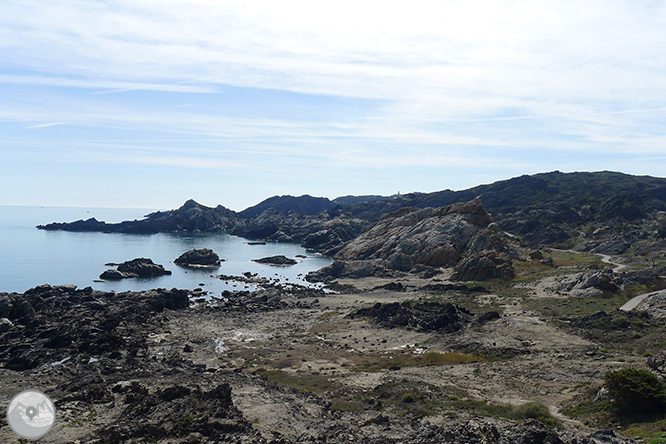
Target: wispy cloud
{"points": [[371, 84], [44, 125]]}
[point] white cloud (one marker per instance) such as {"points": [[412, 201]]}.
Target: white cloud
{"points": [[519, 75]]}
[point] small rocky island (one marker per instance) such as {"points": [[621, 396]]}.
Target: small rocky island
{"points": [[199, 258], [279, 260], [139, 267]]}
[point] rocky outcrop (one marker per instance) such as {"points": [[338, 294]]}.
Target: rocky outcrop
{"points": [[434, 237], [483, 266], [276, 260], [58, 322], [325, 232], [199, 258], [422, 316], [139, 267], [654, 304], [590, 284]]}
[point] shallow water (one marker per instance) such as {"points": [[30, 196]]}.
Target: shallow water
{"points": [[31, 257]]}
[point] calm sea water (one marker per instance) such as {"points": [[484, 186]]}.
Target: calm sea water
{"points": [[31, 257]]}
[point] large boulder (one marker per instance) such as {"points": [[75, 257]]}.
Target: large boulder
{"points": [[203, 257]]}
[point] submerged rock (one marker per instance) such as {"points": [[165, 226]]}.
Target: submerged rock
{"points": [[203, 257]]}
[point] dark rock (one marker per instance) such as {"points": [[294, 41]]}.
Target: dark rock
{"points": [[391, 286], [5, 325], [484, 266], [21, 308], [113, 275], [423, 316], [276, 260], [536, 255], [486, 317], [203, 257], [143, 267]]}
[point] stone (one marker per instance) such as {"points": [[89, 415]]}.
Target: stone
{"points": [[536, 255], [5, 325], [143, 267], [484, 266], [423, 316], [203, 257], [112, 275]]}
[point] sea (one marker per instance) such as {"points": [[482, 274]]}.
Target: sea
{"points": [[30, 257]]}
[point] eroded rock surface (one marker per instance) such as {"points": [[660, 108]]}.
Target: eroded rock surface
{"points": [[431, 237]]}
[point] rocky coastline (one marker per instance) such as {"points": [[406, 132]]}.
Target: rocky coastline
{"points": [[171, 366]]}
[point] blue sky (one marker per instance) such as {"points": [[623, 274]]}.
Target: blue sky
{"points": [[147, 103]]}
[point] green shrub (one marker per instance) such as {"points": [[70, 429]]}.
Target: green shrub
{"points": [[535, 410], [634, 391]]}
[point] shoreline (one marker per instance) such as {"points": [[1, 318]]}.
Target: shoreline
{"points": [[289, 365]]}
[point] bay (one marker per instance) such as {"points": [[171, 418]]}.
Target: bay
{"points": [[31, 257]]}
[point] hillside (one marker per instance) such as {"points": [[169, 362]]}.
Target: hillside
{"points": [[303, 205]]}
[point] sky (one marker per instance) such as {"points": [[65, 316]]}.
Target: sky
{"points": [[146, 103]]}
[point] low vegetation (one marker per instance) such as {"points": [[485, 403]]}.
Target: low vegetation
{"points": [[636, 392]]}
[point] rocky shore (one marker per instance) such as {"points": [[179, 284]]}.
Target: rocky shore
{"points": [[381, 363]]}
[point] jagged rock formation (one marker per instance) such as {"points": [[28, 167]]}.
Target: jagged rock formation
{"points": [[422, 316], [484, 265], [654, 304], [435, 237], [323, 232], [202, 257], [65, 322]]}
